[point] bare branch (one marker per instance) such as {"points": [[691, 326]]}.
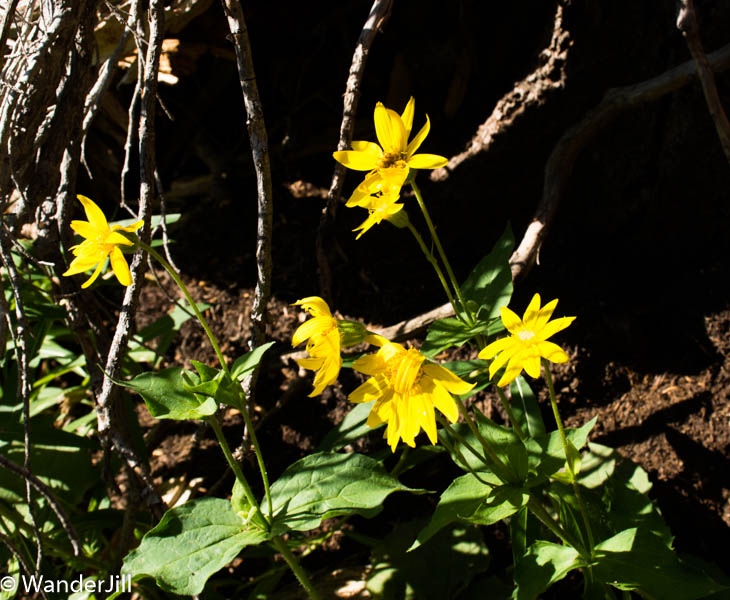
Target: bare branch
{"points": [[560, 166], [110, 423], [20, 339], [687, 24], [260, 150], [379, 13], [532, 91]]}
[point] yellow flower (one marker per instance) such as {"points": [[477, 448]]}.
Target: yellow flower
{"points": [[380, 196], [395, 154], [406, 388], [323, 343], [101, 241], [527, 343]]}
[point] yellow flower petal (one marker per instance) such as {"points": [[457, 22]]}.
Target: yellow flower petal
{"points": [[84, 229], [120, 267], [407, 116], [314, 305], [370, 364], [552, 352], [545, 313], [356, 160], [529, 319], [117, 239], [93, 213], [445, 402], [504, 357], [389, 129], [451, 382], [416, 142], [554, 326], [510, 320], [497, 346], [427, 161], [93, 277]]}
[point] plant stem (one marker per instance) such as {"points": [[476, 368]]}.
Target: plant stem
{"points": [[221, 359], [539, 511], [569, 465], [457, 452], [508, 409], [434, 263], [502, 471], [442, 254], [296, 568], [235, 467]]}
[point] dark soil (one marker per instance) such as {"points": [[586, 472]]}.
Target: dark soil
{"points": [[638, 250]]}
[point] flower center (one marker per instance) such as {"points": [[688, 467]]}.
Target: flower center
{"points": [[526, 335], [408, 371], [393, 159]]}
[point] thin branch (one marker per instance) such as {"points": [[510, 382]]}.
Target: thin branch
{"points": [[5, 28], [532, 91], [47, 493], [687, 24], [109, 422], [21, 343], [379, 13], [260, 150], [560, 166]]}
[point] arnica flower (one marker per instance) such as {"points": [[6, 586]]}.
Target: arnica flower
{"points": [[527, 342], [406, 388], [101, 241], [323, 343], [389, 163], [379, 195]]}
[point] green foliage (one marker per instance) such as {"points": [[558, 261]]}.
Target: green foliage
{"points": [[190, 543], [324, 485], [543, 564], [487, 288], [437, 570]]}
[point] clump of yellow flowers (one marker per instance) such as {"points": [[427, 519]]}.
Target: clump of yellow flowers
{"points": [[388, 163], [100, 241]]}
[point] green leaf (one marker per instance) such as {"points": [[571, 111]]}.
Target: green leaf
{"points": [[351, 428], [190, 543], [505, 443], [489, 285], [458, 502], [213, 383], [504, 501], [437, 570], [637, 560], [546, 455], [448, 332], [243, 365], [324, 485], [166, 397], [526, 409], [543, 564]]}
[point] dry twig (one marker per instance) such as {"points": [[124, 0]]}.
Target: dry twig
{"points": [[530, 92], [379, 13], [260, 150], [110, 423], [687, 24]]}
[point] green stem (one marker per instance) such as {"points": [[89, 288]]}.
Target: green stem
{"points": [[236, 468], [502, 471], [296, 568], [569, 465], [442, 254], [221, 359], [539, 511], [454, 450], [508, 409], [434, 263]]}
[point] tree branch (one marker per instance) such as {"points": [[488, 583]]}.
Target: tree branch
{"points": [[560, 164], [687, 24], [260, 149]]}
